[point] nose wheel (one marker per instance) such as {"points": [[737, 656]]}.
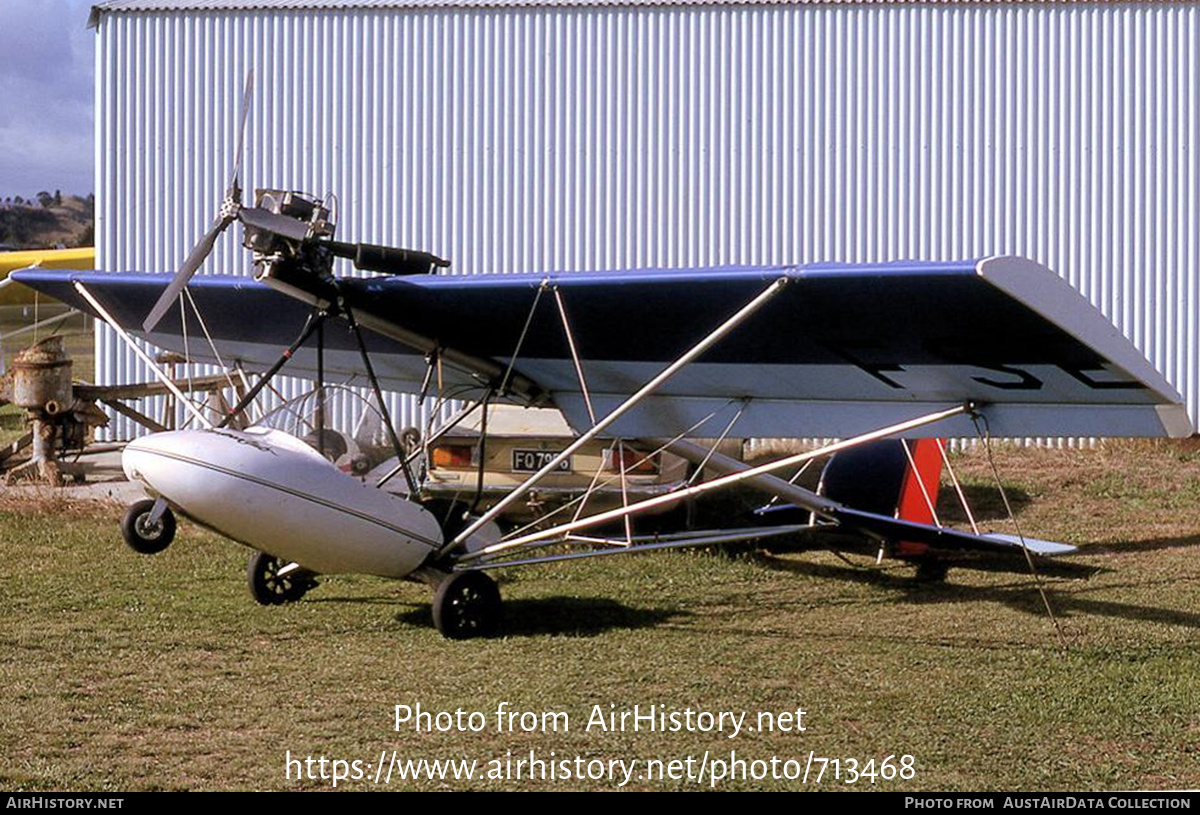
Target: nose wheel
{"points": [[274, 582], [147, 531], [467, 604]]}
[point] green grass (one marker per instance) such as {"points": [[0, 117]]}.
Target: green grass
{"points": [[127, 672]]}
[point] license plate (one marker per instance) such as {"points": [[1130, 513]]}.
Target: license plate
{"points": [[530, 461]]}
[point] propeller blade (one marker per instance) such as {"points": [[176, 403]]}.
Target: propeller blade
{"points": [[230, 209], [189, 267], [273, 222], [235, 184]]}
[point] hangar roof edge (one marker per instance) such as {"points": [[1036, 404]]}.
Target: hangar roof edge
{"points": [[132, 6]]}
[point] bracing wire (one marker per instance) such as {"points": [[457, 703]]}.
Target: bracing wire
{"points": [[985, 435]]}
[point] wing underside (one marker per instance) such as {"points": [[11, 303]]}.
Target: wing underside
{"points": [[840, 349]]}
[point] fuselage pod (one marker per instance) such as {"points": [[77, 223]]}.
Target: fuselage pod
{"points": [[273, 492]]}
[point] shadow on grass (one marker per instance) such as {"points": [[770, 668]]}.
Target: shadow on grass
{"points": [[564, 617], [1136, 547], [985, 501], [368, 600], [1020, 595]]}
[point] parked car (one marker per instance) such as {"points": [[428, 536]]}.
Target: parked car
{"points": [[520, 441]]}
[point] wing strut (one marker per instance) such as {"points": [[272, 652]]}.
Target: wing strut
{"points": [[772, 484], [383, 408], [314, 322], [809, 500], [647, 389], [142, 355]]}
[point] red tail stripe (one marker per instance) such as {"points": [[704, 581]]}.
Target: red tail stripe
{"points": [[928, 459]]}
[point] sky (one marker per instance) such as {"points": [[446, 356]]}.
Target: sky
{"points": [[46, 65]]}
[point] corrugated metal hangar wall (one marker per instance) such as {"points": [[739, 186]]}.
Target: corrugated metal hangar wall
{"points": [[513, 136]]}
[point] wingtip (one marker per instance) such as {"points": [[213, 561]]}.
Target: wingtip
{"points": [[1175, 421]]}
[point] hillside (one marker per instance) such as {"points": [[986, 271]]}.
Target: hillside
{"points": [[47, 221]]}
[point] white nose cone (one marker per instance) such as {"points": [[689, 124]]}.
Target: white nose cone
{"points": [[271, 491]]}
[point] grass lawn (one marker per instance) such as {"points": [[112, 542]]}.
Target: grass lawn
{"points": [[127, 672]]}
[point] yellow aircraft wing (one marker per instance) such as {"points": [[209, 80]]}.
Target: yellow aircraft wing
{"points": [[82, 258]]}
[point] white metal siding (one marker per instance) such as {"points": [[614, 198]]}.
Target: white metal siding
{"points": [[569, 138]]}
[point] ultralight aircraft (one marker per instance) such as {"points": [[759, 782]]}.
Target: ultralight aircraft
{"points": [[652, 359]]}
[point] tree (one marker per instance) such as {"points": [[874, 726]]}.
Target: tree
{"points": [[45, 199]]}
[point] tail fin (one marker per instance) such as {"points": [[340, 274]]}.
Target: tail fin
{"points": [[919, 491], [895, 477]]}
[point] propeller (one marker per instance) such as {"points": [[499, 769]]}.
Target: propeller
{"points": [[231, 210], [274, 222], [369, 257]]}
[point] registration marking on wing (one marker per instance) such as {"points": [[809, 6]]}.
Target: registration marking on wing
{"points": [[531, 461]]}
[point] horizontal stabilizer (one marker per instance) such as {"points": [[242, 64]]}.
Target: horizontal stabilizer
{"points": [[943, 537], [1038, 547]]}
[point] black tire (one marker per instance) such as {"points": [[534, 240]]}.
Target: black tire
{"points": [[268, 588], [143, 537], [467, 604], [451, 514]]}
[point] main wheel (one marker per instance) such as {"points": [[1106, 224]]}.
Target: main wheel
{"points": [[451, 514], [143, 536], [268, 588], [932, 571], [467, 604]]}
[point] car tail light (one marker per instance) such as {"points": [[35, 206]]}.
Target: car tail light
{"points": [[454, 456], [635, 462]]}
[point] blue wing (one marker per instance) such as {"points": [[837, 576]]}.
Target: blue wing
{"points": [[842, 349]]}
